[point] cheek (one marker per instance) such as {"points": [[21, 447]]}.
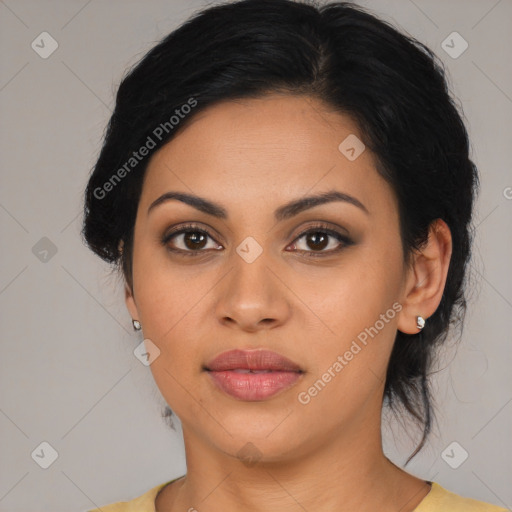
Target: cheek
{"points": [[358, 306], [352, 295], [164, 292], [169, 302]]}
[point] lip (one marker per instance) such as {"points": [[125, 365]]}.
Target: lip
{"points": [[231, 372]]}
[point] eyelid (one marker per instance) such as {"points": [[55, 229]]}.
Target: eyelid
{"points": [[189, 226], [324, 226]]}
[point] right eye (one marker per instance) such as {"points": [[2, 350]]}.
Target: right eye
{"points": [[188, 240]]}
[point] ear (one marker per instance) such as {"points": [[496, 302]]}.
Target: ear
{"points": [[426, 278], [128, 292], [130, 302]]}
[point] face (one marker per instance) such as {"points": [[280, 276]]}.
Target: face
{"points": [[319, 283]]}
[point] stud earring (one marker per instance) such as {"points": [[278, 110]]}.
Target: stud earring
{"points": [[420, 322], [136, 325]]}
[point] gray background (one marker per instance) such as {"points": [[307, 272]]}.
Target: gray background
{"points": [[68, 373]]}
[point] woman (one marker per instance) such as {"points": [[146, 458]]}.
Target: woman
{"points": [[288, 193]]}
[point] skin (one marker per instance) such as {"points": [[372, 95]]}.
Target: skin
{"points": [[252, 157]]}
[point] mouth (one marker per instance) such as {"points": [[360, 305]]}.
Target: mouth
{"points": [[253, 375]]}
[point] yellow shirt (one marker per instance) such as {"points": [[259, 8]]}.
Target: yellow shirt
{"points": [[437, 500]]}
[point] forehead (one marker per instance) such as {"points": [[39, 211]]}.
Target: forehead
{"points": [[279, 144]]}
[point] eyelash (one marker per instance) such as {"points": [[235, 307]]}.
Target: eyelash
{"points": [[318, 228]]}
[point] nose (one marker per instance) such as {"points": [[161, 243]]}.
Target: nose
{"points": [[252, 297]]}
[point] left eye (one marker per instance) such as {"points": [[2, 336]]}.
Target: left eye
{"points": [[316, 240]]}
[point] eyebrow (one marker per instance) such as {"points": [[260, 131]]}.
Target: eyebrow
{"points": [[282, 213]]}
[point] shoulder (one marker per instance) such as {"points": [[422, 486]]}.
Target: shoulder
{"points": [[143, 503], [441, 500]]}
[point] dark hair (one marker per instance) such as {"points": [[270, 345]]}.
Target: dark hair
{"points": [[393, 86]]}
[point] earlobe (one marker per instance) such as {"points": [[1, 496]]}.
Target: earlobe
{"points": [[427, 279]]}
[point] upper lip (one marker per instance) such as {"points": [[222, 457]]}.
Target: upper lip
{"points": [[251, 360]]}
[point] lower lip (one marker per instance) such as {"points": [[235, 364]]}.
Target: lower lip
{"points": [[254, 386]]}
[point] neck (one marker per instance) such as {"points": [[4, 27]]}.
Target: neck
{"points": [[346, 474]]}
